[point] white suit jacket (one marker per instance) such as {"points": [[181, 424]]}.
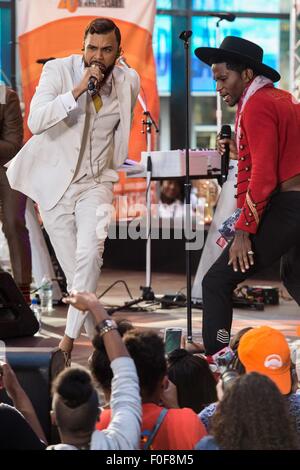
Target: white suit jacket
{"points": [[45, 166]]}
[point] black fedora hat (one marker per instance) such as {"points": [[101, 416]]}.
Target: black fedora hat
{"points": [[238, 50]]}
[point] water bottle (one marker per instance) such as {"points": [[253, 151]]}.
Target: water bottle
{"points": [[36, 310], [46, 295]]}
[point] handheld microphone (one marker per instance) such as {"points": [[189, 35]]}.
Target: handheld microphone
{"points": [[92, 84], [225, 134], [224, 16]]}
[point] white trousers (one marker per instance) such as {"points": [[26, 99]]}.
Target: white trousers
{"points": [[77, 227], [41, 260]]}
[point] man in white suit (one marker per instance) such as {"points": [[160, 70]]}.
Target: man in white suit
{"points": [[69, 165]]}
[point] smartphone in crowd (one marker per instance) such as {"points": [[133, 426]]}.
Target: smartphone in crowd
{"points": [[172, 339]]}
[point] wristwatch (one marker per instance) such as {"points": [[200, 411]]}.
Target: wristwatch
{"points": [[105, 326]]}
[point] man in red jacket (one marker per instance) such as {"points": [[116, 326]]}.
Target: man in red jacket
{"points": [[268, 181]]}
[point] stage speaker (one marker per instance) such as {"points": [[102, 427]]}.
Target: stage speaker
{"points": [[16, 317], [36, 362]]}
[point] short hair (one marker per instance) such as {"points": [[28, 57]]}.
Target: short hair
{"points": [[102, 26], [236, 65], [75, 401], [100, 363], [148, 352], [195, 383]]}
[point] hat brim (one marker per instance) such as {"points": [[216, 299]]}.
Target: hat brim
{"points": [[207, 54], [283, 379]]}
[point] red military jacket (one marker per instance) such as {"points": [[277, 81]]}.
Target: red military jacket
{"points": [[268, 153]]}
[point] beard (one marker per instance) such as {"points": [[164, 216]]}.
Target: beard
{"points": [[105, 70], [108, 71]]}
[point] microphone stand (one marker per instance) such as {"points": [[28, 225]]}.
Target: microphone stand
{"points": [[185, 36], [228, 17], [219, 105], [147, 123]]}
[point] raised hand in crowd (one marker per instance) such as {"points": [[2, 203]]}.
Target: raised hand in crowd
{"points": [[21, 401]]}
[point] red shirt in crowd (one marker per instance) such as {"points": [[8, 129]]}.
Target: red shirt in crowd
{"points": [[181, 428]]}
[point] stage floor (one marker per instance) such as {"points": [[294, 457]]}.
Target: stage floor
{"points": [[285, 316]]}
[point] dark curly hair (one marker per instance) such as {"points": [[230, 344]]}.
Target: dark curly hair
{"points": [[253, 415], [75, 401], [196, 386], [100, 363], [148, 352]]}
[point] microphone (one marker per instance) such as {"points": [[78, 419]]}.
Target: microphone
{"points": [[92, 84], [224, 16], [225, 134], [93, 80], [185, 35]]}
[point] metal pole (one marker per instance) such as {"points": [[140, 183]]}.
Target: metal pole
{"points": [[219, 106], [148, 122], [293, 27], [148, 203], [185, 35], [13, 78]]}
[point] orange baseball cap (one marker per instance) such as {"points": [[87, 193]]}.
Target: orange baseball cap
{"points": [[265, 350]]}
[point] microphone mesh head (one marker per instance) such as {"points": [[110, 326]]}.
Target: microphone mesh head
{"points": [[226, 132]]}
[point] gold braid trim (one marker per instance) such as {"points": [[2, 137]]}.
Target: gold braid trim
{"points": [[252, 208]]}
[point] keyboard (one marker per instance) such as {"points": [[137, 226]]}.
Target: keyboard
{"points": [[171, 163]]}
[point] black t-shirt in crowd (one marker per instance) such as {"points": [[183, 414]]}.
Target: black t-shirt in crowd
{"points": [[15, 432]]}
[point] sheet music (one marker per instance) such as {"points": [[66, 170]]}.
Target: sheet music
{"points": [[171, 163], [131, 167]]}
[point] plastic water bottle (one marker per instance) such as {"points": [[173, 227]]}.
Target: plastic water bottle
{"points": [[46, 295], [36, 310]]}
